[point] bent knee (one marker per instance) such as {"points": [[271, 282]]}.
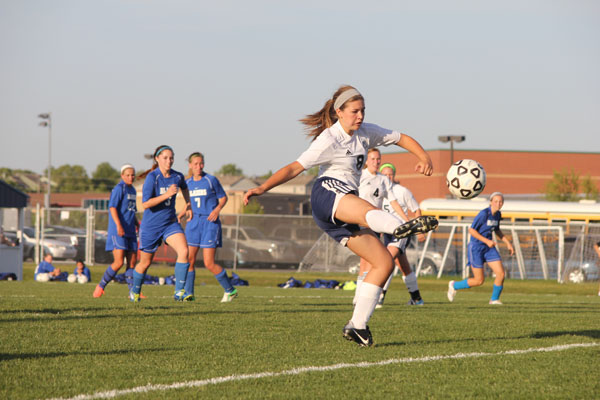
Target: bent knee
{"points": [[477, 282]]}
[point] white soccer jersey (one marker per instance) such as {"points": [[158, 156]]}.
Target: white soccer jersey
{"points": [[342, 156], [375, 188], [405, 199]]}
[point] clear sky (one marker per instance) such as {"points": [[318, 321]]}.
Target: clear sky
{"points": [[232, 78]]}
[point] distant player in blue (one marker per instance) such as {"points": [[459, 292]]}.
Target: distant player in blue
{"points": [[204, 230], [482, 249], [160, 221], [82, 270], [122, 226], [46, 267]]}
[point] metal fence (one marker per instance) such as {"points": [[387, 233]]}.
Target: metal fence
{"points": [[284, 241]]}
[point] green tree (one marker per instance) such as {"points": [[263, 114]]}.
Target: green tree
{"points": [[105, 177], [589, 188], [564, 186], [70, 178], [253, 207], [267, 175], [230, 169]]}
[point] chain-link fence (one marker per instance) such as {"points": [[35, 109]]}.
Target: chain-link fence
{"points": [[284, 241]]}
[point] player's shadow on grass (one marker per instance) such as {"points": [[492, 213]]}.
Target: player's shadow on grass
{"points": [[27, 356], [591, 333]]}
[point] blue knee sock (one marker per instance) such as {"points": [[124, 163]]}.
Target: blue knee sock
{"points": [[181, 271], [109, 275], [496, 292], [189, 282], [129, 278], [138, 280], [461, 285], [224, 281]]}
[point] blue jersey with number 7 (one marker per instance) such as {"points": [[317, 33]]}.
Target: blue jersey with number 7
{"points": [[205, 194]]}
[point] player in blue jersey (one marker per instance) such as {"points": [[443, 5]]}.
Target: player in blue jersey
{"points": [[81, 270], [46, 267], [204, 229], [160, 221], [340, 143], [482, 249], [122, 226]]}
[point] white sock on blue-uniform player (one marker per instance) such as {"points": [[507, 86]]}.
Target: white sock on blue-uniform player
{"points": [[365, 305], [224, 281], [189, 282], [181, 271]]}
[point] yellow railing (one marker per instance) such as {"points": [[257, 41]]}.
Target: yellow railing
{"points": [[514, 216]]}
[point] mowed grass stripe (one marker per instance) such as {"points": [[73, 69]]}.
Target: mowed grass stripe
{"points": [[297, 371]]}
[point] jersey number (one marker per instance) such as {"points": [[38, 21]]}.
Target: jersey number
{"points": [[359, 161], [376, 194], [197, 201]]}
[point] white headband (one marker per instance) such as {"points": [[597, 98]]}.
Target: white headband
{"points": [[344, 97], [496, 194], [127, 166]]}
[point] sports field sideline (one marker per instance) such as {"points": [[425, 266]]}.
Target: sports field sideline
{"points": [[59, 342]]}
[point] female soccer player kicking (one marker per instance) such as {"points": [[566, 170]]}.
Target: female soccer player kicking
{"points": [[482, 249], [160, 221], [204, 229], [122, 225], [339, 147]]}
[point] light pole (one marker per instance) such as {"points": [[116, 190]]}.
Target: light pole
{"points": [[451, 139], [47, 121]]}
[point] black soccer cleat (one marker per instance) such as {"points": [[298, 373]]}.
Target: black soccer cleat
{"points": [[422, 224], [362, 337]]}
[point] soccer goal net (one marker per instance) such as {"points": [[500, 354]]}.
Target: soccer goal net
{"points": [[582, 263], [539, 252]]}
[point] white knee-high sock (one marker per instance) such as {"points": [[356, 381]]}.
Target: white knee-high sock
{"points": [[382, 222], [365, 305], [359, 281], [411, 282]]}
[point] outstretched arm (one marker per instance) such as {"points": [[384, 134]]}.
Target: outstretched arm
{"points": [[424, 166], [286, 173]]}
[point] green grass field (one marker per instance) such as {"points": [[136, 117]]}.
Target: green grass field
{"points": [[59, 342]]}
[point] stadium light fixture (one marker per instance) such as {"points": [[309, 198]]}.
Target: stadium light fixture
{"points": [[452, 140], [47, 122]]}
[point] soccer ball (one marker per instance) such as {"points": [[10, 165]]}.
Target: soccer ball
{"points": [[82, 279], [43, 277], [465, 179], [72, 278]]}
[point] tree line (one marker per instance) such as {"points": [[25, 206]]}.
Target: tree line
{"points": [[565, 185]]}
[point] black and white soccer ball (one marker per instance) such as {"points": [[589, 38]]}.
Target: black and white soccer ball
{"points": [[466, 179]]}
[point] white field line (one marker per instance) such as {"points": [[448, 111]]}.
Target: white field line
{"points": [[297, 371]]}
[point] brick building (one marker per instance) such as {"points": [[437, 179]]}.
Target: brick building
{"points": [[511, 172]]}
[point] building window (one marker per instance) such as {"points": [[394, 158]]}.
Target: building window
{"points": [[99, 204]]}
